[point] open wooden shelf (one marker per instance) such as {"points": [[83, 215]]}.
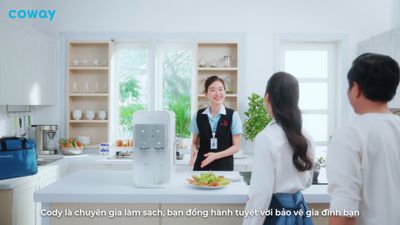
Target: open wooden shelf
{"points": [[88, 88], [88, 121], [217, 68], [214, 54], [88, 94], [88, 68]]}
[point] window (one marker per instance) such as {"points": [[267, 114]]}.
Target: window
{"points": [[132, 89], [177, 70], [152, 76], [314, 65]]}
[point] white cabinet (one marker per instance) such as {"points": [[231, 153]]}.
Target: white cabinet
{"points": [[23, 205], [17, 205], [10, 71], [384, 44], [27, 67], [48, 70], [387, 43], [45, 178]]}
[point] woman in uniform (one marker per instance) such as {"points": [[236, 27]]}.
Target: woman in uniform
{"points": [[215, 131]]}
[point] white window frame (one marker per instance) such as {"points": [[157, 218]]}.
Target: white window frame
{"points": [[335, 44], [155, 88]]}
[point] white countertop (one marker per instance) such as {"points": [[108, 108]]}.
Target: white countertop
{"points": [[112, 183], [116, 187], [90, 159], [14, 182]]}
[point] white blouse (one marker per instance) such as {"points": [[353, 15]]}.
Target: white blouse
{"points": [[273, 170]]}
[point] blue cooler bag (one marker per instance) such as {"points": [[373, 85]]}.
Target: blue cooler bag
{"points": [[17, 157]]}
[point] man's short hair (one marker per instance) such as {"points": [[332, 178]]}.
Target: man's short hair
{"points": [[376, 75]]}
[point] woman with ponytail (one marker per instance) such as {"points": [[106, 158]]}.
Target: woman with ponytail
{"points": [[283, 158]]}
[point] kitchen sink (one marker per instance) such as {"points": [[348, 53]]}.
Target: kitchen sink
{"points": [[46, 159]]}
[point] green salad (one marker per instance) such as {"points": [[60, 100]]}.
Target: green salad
{"points": [[208, 179]]}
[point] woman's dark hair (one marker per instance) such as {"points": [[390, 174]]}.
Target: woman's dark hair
{"points": [[376, 75], [211, 80], [283, 91]]}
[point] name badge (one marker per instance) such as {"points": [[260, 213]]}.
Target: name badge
{"points": [[213, 142]]}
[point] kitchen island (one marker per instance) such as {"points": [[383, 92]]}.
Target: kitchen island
{"points": [[109, 197]]}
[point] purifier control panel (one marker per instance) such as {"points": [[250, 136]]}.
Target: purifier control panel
{"points": [[150, 136]]}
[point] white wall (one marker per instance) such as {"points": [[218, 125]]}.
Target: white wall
{"points": [[6, 6], [395, 13], [260, 20]]}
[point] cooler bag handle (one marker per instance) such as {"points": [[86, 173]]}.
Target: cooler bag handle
{"points": [[3, 142]]}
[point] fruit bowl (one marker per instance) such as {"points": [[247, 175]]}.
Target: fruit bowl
{"points": [[71, 146], [72, 150]]}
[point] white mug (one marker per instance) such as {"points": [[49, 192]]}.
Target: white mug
{"points": [[90, 115], [102, 114], [77, 114]]}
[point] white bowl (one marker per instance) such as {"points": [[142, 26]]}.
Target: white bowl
{"points": [[83, 139], [72, 151]]}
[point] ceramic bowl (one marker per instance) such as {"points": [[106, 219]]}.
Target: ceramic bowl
{"points": [[72, 151]]}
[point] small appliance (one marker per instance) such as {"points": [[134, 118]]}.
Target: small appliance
{"points": [[45, 142], [154, 151]]}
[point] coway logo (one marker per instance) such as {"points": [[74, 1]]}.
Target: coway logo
{"points": [[45, 14]]}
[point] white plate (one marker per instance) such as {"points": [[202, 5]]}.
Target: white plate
{"points": [[232, 176], [208, 187]]}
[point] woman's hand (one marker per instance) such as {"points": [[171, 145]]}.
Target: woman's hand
{"points": [[212, 156], [209, 158]]}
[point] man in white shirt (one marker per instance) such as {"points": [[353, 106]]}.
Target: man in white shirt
{"points": [[364, 157]]}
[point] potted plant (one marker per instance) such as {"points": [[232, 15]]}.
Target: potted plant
{"points": [[257, 117], [181, 107], [319, 163]]}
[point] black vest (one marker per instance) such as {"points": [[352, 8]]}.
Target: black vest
{"points": [[224, 136]]}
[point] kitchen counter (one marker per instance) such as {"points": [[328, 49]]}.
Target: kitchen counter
{"points": [[94, 162], [116, 187], [92, 159], [113, 191], [14, 182]]}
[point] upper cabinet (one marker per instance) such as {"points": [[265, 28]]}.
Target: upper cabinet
{"points": [[28, 64], [387, 43], [220, 59]]}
